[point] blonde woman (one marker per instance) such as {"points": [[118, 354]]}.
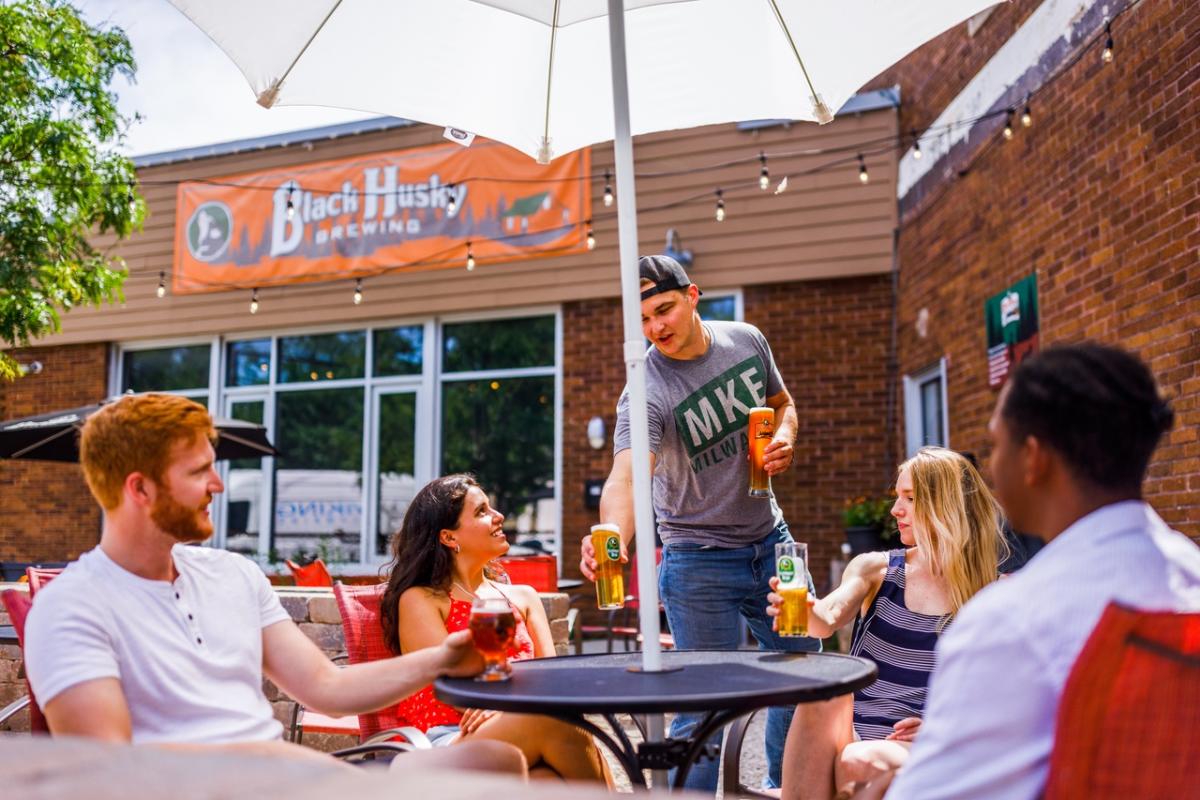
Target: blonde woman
{"points": [[900, 602]]}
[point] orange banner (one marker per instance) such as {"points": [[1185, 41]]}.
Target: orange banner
{"points": [[393, 211]]}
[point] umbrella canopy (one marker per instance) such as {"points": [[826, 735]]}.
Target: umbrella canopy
{"points": [[547, 77], [525, 72], [54, 436]]}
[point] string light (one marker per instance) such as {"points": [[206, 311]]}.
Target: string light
{"points": [[470, 258], [1008, 125], [591, 236], [358, 292], [254, 301], [916, 145], [162, 285], [1026, 115], [131, 199], [608, 192], [291, 203], [452, 203], [764, 175], [1107, 55], [720, 206], [863, 177]]}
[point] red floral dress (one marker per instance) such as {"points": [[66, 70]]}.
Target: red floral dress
{"points": [[424, 711]]}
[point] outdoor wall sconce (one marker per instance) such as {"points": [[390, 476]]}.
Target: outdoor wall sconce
{"points": [[674, 249], [595, 433]]}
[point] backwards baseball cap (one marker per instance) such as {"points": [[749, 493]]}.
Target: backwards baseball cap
{"points": [[664, 272]]}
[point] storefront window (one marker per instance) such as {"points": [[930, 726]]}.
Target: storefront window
{"points": [[718, 308], [248, 363], [243, 488], [169, 369], [498, 344], [398, 351], [325, 357]]}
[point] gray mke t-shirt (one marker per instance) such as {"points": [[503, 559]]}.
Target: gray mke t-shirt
{"points": [[698, 410]]}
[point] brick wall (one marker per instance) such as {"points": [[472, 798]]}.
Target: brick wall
{"points": [[47, 512], [1101, 198], [830, 340]]}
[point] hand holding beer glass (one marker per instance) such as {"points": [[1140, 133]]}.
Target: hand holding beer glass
{"points": [[493, 627], [610, 579], [791, 570]]}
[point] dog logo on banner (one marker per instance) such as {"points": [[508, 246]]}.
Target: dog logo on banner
{"points": [[209, 231]]}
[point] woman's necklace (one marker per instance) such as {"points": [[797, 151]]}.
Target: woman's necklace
{"points": [[467, 591]]}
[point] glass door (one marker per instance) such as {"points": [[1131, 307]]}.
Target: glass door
{"points": [[395, 456], [245, 513]]}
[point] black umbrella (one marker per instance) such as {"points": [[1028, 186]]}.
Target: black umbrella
{"points": [[55, 436]]}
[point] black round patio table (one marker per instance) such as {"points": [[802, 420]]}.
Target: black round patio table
{"points": [[722, 685]]}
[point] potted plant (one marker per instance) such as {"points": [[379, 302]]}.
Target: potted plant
{"points": [[869, 523]]}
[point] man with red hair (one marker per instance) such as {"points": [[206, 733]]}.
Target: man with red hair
{"points": [[147, 640]]}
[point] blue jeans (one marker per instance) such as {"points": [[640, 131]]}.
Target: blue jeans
{"points": [[704, 590]]}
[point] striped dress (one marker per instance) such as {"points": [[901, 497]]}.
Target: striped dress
{"points": [[901, 643]]}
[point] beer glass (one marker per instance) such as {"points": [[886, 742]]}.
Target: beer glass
{"points": [[610, 579], [760, 429], [791, 559], [493, 626]]}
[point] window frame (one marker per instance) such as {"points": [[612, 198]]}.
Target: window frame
{"points": [[914, 410]]}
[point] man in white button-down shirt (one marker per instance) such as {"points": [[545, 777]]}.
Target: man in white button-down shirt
{"points": [[1073, 432]]}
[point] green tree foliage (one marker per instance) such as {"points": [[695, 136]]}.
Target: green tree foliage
{"points": [[61, 179]]}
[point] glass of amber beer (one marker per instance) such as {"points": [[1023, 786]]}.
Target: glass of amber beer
{"points": [[493, 626], [760, 429], [610, 579], [791, 560]]}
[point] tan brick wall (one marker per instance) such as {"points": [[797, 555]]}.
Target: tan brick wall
{"points": [[1101, 197], [830, 340], [47, 512]]}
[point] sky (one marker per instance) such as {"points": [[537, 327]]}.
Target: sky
{"points": [[188, 92]]}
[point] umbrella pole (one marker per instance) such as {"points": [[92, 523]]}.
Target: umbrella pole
{"points": [[635, 366]]}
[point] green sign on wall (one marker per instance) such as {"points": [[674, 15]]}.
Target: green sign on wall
{"points": [[1012, 328]]}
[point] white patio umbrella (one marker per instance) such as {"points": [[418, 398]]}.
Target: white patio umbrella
{"points": [[550, 76]]}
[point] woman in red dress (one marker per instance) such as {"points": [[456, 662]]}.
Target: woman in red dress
{"points": [[440, 565]]}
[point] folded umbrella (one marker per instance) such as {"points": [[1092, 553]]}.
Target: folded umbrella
{"points": [[55, 436]]}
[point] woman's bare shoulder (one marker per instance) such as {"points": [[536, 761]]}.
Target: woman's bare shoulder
{"points": [[422, 597]]}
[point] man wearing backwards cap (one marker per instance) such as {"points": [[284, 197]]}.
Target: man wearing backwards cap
{"points": [[702, 379]]}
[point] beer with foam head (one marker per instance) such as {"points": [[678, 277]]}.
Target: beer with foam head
{"points": [[790, 567], [610, 578], [760, 430]]}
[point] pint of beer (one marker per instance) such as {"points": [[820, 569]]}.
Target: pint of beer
{"points": [[610, 580], [790, 567], [759, 431], [493, 628]]}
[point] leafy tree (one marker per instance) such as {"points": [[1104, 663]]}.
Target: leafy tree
{"points": [[61, 179]]}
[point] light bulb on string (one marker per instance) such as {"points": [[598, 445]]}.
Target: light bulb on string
{"points": [[1026, 115], [291, 202], [470, 258], [863, 177], [1107, 55], [452, 203], [764, 175], [591, 236], [608, 190], [720, 215], [162, 285], [254, 301], [131, 200], [916, 148], [358, 295], [1008, 125]]}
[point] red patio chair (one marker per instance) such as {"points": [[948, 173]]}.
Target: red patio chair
{"points": [[359, 607], [1129, 720], [540, 572], [38, 577], [18, 604], [314, 574]]}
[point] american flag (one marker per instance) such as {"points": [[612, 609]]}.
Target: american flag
{"points": [[997, 365]]}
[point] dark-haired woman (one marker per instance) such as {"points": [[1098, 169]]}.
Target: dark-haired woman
{"points": [[439, 566]]}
